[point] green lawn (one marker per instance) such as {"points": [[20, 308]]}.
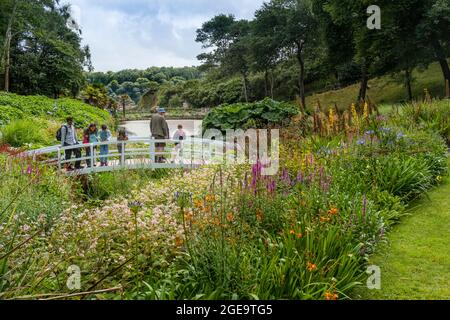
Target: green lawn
{"points": [[416, 262], [385, 90]]}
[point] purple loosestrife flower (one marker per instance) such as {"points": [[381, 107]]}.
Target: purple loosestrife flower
{"points": [[285, 176], [299, 177], [254, 181], [271, 187]]}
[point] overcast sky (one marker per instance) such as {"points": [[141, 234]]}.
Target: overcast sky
{"points": [[128, 34]]}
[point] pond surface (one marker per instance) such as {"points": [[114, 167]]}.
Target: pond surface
{"points": [[141, 128]]}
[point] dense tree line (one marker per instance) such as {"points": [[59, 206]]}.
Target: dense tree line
{"points": [[155, 74], [40, 51], [328, 40], [291, 48], [296, 47], [136, 83]]}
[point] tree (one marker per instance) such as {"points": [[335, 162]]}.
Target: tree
{"points": [[7, 46], [230, 40], [41, 54], [96, 95], [433, 31], [295, 30], [124, 100], [265, 46]]}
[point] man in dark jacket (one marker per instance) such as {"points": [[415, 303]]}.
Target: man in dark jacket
{"points": [[69, 139], [160, 131]]}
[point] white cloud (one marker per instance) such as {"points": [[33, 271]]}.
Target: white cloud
{"points": [[127, 34]]}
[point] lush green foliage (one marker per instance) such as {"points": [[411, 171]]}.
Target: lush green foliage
{"points": [[249, 115], [109, 185], [45, 55], [24, 132], [22, 107], [136, 83], [24, 120], [230, 232]]}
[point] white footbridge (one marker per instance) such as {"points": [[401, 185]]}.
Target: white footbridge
{"points": [[135, 153]]}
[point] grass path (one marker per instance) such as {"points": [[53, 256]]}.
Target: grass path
{"points": [[416, 262]]}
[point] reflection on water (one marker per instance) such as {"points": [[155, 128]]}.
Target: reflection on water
{"points": [[141, 128]]}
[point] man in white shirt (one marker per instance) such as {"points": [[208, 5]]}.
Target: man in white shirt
{"points": [[69, 138]]}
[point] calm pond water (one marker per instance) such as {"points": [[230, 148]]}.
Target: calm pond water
{"points": [[141, 128]]}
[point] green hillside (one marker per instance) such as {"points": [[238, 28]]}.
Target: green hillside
{"points": [[386, 89], [13, 107], [32, 121]]}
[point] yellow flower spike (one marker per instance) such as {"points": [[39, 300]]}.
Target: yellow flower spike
{"points": [[366, 111]]}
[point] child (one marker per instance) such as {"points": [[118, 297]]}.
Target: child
{"points": [[105, 135], [179, 137], [122, 136]]}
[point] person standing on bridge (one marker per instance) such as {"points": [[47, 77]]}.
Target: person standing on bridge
{"points": [[91, 136], [69, 139], [159, 130], [121, 136], [105, 136]]}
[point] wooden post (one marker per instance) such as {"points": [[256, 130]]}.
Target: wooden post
{"points": [[122, 155], [91, 146], [152, 152], [59, 160], [192, 151]]}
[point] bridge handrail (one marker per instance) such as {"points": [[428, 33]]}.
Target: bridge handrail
{"points": [[187, 147]]}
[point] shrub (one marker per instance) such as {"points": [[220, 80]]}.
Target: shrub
{"points": [[25, 132], [248, 115], [13, 106]]}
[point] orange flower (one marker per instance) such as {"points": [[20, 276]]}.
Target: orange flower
{"points": [[216, 221], [230, 217], [178, 242], [311, 267], [291, 232], [198, 203], [210, 198], [333, 211], [330, 296], [188, 216], [207, 209], [299, 235]]}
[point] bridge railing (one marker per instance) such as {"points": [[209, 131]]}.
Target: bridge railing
{"points": [[138, 152]]}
